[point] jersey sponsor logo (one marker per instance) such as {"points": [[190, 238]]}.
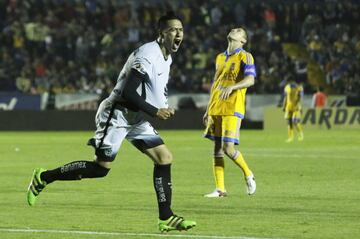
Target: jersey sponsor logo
{"points": [[72, 166], [230, 76]]}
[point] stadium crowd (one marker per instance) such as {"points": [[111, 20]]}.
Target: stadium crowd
{"points": [[80, 45]]}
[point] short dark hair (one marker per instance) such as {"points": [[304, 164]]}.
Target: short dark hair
{"points": [[162, 22]]}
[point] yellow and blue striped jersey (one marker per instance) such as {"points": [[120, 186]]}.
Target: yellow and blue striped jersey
{"points": [[230, 69], [293, 93]]}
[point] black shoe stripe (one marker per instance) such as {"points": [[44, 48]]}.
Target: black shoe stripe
{"points": [[35, 182], [38, 183], [176, 221], [39, 186], [33, 190]]}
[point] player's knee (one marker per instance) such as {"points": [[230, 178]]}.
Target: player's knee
{"points": [[228, 150], [103, 163], [165, 158], [219, 154], [103, 167], [168, 158]]}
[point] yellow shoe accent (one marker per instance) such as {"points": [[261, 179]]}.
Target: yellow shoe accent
{"points": [[289, 140]]}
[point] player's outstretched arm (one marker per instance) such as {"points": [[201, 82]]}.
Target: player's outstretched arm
{"points": [[284, 102]]}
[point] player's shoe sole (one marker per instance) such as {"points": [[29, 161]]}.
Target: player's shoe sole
{"points": [[35, 186], [175, 223]]}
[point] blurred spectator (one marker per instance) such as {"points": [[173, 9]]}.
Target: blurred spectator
{"points": [[50, 105], [23, 83], [319, 99], [79, 46]]}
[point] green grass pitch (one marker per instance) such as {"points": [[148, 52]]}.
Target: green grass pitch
{"points": [[307, 189]]}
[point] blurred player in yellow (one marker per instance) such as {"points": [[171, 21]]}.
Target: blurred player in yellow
{"points": [[235, 72], [293, 94]]}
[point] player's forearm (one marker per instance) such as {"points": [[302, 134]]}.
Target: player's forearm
{"points": [[245, 83], [133, 98]]}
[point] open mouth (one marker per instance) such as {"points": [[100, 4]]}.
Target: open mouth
{"points": [[177, 42]]}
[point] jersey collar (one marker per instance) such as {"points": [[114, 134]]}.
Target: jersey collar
{"points": [[232, 53]]}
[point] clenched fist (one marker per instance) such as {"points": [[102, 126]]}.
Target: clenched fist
{"points": [[165, 113]]}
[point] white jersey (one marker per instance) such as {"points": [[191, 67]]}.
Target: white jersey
{"points": [[148, 60]]}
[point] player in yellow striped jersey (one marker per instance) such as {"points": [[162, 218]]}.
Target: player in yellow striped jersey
{"points": [[293, 94], [235, 72]]}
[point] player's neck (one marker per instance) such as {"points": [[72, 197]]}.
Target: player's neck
{"points": [[233, 45], [163, 49]]}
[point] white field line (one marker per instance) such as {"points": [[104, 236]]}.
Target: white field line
{"points": [[288, 153], [303, 155], [122, 234]]}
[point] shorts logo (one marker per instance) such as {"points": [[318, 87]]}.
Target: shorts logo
{"points": [[108, 152]]}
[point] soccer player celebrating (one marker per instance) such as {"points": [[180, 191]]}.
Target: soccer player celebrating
{"points": [[141, 87], [293, 94], [235, 72]]}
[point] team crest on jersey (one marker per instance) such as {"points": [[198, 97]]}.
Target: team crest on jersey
{"points": [[139, 68], [232, 66]]}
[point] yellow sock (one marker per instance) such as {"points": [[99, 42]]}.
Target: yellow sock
{"points": [[240, 161], [300, 131], [290, 132], [219, 173]]}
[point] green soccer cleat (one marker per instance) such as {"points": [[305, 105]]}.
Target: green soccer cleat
{"points": [[35, 186], [175, 223]]}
